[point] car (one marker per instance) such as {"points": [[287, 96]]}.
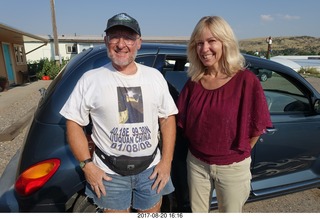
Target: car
{"points": [[44, 176], [262, 74]]}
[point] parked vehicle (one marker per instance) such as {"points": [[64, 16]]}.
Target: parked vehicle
{"points": [[262, 74], [44, 176]]}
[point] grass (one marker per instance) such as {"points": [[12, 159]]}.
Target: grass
{"points": [[310, 71]]}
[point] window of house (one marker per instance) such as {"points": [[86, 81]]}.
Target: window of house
{"points": [[19, 54], [72, 48]]}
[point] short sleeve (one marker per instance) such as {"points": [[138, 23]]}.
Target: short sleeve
{"points": [[260, 115], [76, 107], [167, 106]]}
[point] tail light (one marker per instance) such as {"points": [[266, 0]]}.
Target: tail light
{"points": [[36, 176]]}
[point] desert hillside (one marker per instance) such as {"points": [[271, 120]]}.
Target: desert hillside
{"points": [[300, 45]]}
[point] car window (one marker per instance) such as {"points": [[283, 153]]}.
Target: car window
{"points": [[175, 71], [147, 60], [282, 95]]}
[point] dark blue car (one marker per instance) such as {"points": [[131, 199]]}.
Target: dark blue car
{"points": [[44, 176]]}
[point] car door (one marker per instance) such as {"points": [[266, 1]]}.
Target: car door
{"points": [[285, 157]]}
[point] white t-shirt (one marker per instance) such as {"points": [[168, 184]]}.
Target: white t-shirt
{"points": [[124, 110]]}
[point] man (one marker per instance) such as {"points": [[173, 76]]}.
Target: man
{"points": [[126, 102]]}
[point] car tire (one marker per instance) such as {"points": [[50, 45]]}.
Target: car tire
{"points": [[263, 77], [84, 205]]}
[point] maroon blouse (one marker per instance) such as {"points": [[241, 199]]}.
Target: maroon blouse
{"points": [[219, 123]]}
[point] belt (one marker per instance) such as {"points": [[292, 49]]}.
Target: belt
{"points": [[125, 165]]}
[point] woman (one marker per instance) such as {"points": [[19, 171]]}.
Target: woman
{"points": [[222, 112]]}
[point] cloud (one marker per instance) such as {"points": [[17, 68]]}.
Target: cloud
{"points": [[287, 17], [266, 17], [290, 17]]}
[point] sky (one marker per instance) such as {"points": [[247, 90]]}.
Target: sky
{"points": [[248, 18]]}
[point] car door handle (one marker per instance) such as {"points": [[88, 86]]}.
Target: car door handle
{"points": [[271, 131]]}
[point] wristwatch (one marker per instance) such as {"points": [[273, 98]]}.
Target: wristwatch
{"points": [[83, 163]]}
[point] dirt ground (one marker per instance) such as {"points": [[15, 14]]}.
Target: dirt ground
{"points": [[315, 82], [301, 202]]}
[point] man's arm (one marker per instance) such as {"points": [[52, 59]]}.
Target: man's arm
{"points": [[168, 133], [77, 141], [79, 147], [163, 169]]}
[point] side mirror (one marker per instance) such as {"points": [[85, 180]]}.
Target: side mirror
{"points": [[316, 106]]}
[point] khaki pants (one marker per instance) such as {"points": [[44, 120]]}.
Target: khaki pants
{"points": [[231, 182]]}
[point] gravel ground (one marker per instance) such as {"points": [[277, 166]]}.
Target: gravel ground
{"points": [[15, 112], [306, 201]]}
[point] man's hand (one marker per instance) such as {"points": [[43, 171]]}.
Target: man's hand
{"points": [[79, 146], [161, 173], [95, 176]]}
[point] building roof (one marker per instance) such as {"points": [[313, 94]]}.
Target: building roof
{"points": [[12, 33], [99, 39], [295, 66]]}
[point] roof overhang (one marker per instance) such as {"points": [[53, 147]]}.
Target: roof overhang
{"points": [[99, 39], [16, 35]]}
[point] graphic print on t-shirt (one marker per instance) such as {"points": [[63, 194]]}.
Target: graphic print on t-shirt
{"points": [[130, 104]]}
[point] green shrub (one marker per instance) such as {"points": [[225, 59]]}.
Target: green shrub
{"points": [[309, 71], [45, 67]]}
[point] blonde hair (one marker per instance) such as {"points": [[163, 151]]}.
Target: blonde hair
{"points": [[231, 61]]}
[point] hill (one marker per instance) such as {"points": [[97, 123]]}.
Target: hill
{"points": [[299, 45]]}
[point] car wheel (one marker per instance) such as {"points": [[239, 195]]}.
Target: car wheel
{"points": [[84, 205], [263, 77]]}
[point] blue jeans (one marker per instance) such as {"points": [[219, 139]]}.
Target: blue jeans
{"points": [[133, 191]]}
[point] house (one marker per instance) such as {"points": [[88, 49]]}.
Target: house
{"points": [[70, 45], [13, 60]]}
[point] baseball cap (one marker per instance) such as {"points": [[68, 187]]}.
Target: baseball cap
{"points": [[123, 19]]}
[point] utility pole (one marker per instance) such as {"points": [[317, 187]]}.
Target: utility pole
{"points": [[55, 34]]}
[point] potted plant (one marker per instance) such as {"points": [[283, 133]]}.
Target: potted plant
{"points": [[4, 83]]}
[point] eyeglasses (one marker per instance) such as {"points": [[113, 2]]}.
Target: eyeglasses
{"points": [[128, 39]]}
